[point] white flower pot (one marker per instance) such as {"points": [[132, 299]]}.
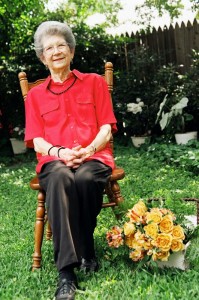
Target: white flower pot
{"points": [[176, 260], [139, 140], [183, 138], [18, 146]]}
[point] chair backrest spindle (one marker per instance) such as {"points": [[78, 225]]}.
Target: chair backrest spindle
{"points": [[23, 84], [109, 76]]}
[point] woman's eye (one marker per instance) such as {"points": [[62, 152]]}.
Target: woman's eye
{"points": [[49, 48]]}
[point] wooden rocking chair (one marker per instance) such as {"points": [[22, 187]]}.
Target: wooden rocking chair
{"points": [[112, 189]]}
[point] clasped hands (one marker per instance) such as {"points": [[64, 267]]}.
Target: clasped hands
{"points": [[75, 157]]}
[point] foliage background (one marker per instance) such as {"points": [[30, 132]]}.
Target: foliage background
{"points": [[146, 77]]}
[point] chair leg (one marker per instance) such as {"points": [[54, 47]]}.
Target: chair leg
{"points": [[114, 195], [48, 231], [39, 230]]}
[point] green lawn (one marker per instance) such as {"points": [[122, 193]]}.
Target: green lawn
{"points": [[148, 175]]}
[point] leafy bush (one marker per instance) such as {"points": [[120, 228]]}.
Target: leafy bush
{"points": [[183, 156], [151, 81], [191, 89], [175, 115], [135, 83]]}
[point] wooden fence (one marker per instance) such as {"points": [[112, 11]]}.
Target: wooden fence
{"points": [[173, 44]]}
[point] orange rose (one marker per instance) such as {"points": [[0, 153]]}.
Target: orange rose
{"points": [[166, 225], [140, 208], [154, 216], [177, 245], [137, 212], [166, 211], [178, 232], [162, 255], [129, 228], [163, 241], [114, 237], [137, 240], [132, 216], [136, 255], [141, 241], [139, 236], [151, 230]]}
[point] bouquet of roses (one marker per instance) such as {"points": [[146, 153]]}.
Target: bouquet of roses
{"points": [[148, 233]]}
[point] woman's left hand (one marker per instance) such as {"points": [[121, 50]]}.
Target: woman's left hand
{"points": [[81, 155]]}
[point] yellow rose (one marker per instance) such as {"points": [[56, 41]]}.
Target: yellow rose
{"points": [[147, 245], [137, 254], [177, 245], [166, 225], [178, 232], [132, 243], [129, 241], [154, 216], [163, 241], [151, 230], [161, 255], [137, 244], [129, 228]]}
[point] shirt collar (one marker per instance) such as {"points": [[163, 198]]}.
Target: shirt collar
{"points": [[78, 74]]}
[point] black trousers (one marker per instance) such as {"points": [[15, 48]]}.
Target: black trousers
{"points": [[73, 200]]}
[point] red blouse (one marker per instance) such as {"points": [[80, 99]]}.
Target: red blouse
{"points": [[71, 118]]}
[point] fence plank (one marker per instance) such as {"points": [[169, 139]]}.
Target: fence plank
{"points": [[175, 44]]}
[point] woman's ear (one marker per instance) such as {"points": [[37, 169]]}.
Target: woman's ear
{"points": [[43, 60], [72, 54]]}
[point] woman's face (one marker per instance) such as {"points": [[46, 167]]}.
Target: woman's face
{"points": [[56, 53]]}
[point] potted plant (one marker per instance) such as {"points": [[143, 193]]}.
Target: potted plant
{"points": [[17, 139], [137, 122], [175, 118]]}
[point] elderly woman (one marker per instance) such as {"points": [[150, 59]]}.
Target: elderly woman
{"points": [[69, 119]]}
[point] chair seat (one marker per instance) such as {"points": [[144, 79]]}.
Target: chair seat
{"points": [[117, 174]]}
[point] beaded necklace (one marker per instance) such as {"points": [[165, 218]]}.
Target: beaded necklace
{"points": [[64, 91]]}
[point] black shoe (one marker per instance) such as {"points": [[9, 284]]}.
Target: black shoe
{"points": [[89, 265], [66, 290]]}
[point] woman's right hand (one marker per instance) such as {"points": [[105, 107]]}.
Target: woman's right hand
{"points": [[71, 157]]}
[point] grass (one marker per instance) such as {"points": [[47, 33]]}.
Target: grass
{"points": [[146, 176]]}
